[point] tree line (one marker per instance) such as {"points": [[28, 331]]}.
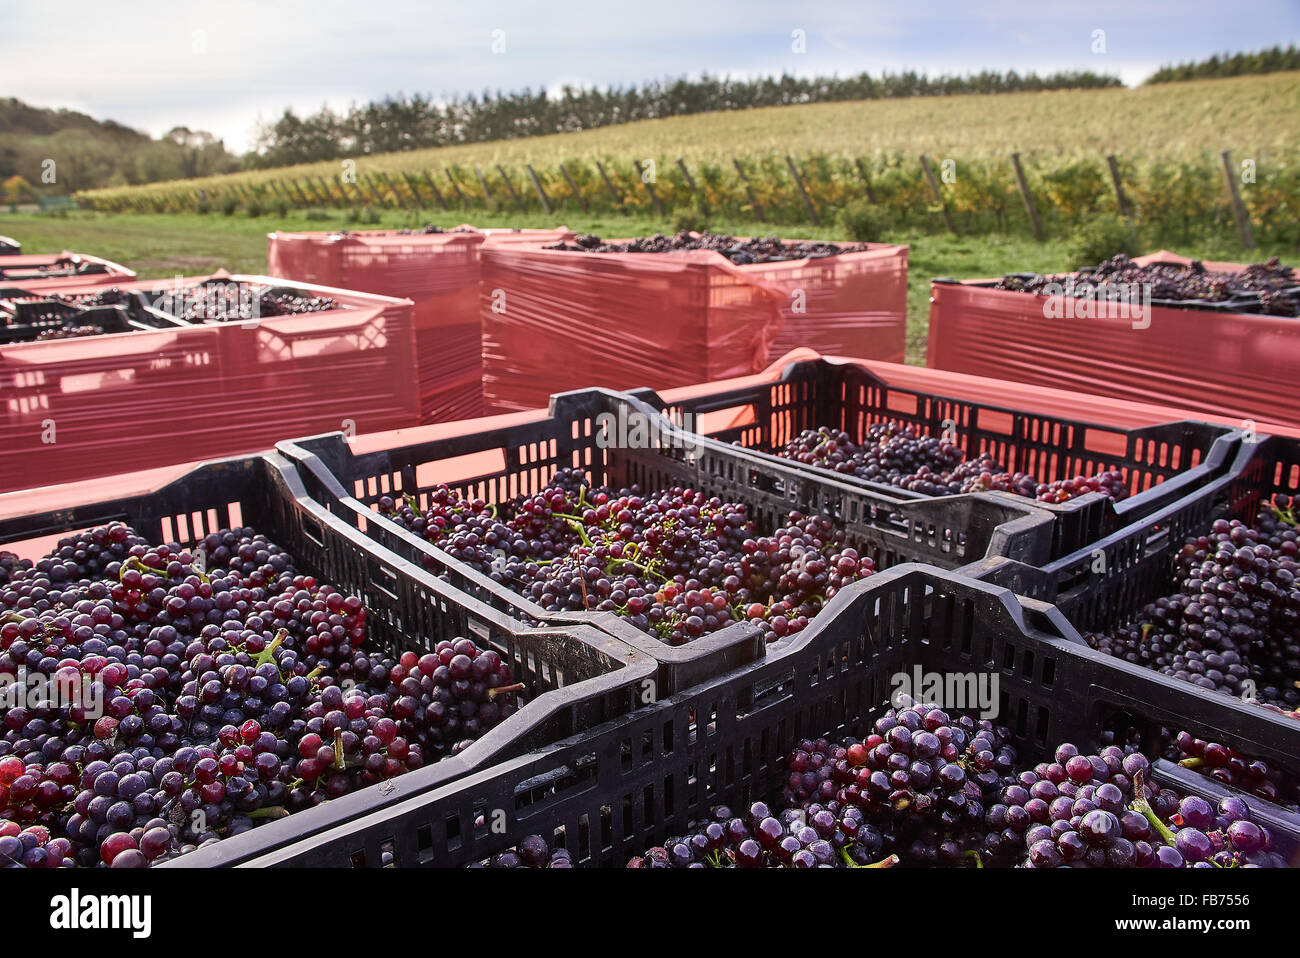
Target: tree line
{"points": [[1273, 60], [420, 121]]}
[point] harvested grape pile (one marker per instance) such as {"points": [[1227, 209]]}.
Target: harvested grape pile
{"points": [[1233, 624], [930, 789], [214, 302], [187, 702], [427, 229], [279, 302], [909, 458], [742, 252], [60, 267], [68, 332], [1267, 287], [676, 563], [1223, 764]]}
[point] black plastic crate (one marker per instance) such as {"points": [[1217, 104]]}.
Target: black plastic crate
{"points": [[1161, 463], [27, 320], [626, 786], [519, 459], [58, 268], [1105, 585], [576, 677]]}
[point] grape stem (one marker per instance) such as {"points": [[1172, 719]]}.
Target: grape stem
{"points": [[888, 862], [1140, 804], [505, 690]]}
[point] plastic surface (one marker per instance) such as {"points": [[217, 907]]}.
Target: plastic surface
{"points": [[634, 781], [1161, 462], [576, 677], [78, 408], [555, 320], [1227, 366], [38, 274], [853, 304], [439, 272], [517, 458]]}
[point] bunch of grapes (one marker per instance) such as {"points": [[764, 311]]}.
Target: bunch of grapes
{"points": [[922, 777], [190, 694], [1233, 626], [742, 252], [32, 847], [677, 563], [909, 458], [890, 452], [531, 852], [68, 332], [1099, 811], [279, 302], [1260, 287], [1227, 765], [832, 835]]}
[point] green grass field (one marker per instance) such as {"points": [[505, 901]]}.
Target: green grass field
{"points": [[164, 245]]}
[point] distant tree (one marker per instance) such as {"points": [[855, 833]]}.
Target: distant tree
{"points": [[17, 190], [1272, 60], [408, 123]]}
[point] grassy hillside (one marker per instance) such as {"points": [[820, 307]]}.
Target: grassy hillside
{"points": [[1253, 115]]}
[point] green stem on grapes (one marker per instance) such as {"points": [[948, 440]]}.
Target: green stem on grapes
{"points": [[269, 811], [971, 853], [268, 653], [505, 690], [888, 862], [340, 761], [1140, 804], [1192, 762]]}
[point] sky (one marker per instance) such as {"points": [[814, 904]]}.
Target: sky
{"points": [[224, 66]]}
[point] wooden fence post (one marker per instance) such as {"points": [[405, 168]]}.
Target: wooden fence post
{"points": [[574, 188], [613, 190], [487, 193], [866, 180], [649, 188], [437, 194], [1035, 223], [510, 186], [938, 193], [753, 200], [456, 186], [690, 183], [415, 190], [798, 181], [537, 185], [1121, 199], [1238, 207]]}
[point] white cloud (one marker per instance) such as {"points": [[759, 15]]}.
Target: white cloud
{"points": [[136, 62]]}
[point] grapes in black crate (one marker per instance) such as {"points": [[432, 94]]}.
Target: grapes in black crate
{"points": [[191, 701], [676, 563]]}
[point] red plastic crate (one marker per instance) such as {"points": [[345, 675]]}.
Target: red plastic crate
{"points": [[1225, 366], [78, 408], [438, 272]]}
